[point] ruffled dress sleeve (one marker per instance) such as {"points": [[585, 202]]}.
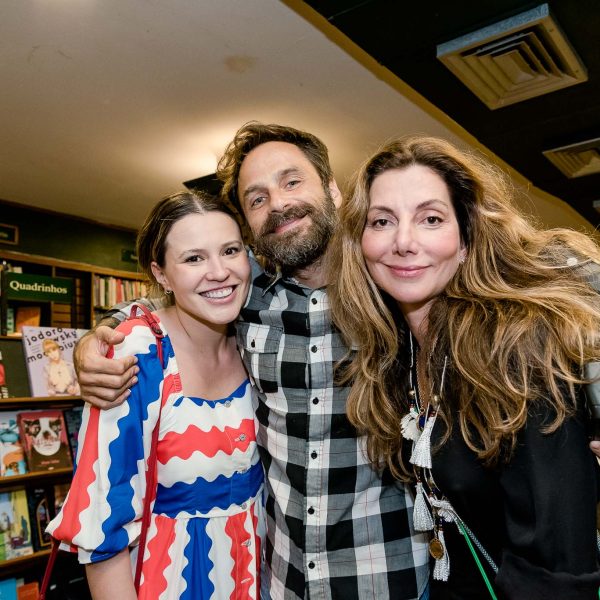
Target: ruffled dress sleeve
{"points": [[101, 514]]}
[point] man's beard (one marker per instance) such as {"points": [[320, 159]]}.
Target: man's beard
{"points": [[293, 250]]}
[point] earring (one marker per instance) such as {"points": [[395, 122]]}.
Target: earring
{"points": [[168, 291], [462, 259]]}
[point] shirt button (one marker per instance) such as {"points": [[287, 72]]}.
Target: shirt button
{"points": [[314, 349], [311, 565], [313, 454], [243, 506], [246, 543], [242, 437], [227, 403], [311, 511], [314, 300], [315, 401]]}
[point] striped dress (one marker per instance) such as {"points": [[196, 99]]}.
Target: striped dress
{"points": [[207, 524]]}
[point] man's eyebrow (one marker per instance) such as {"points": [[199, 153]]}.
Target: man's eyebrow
{"points": [[251, 189], [278, 176]]}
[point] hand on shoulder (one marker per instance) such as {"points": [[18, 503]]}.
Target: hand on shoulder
{"points": [[104, 382]]}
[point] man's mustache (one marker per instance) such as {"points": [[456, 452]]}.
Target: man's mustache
{"points": [[276, 220]]}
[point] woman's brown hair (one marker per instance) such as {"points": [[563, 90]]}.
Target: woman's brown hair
{"points": [[516, 322]]}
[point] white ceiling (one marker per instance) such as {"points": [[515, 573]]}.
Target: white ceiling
{"points": [[107, 105]]}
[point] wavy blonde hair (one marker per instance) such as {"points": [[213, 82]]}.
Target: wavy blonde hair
{"points": [[515, 322]]}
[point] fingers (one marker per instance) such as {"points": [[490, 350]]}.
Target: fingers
{"points": [[595, 447], [110, 337], [104, 398], [114, 378], [104, 382], [109, 390]]}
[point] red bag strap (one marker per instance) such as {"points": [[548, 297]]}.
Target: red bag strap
{"points": [[150, 319], [49, 568]]}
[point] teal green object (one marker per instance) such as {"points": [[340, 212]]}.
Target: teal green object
{"points": [[25, 286]]}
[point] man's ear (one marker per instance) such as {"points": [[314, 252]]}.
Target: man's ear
{"points": [[159, 275], [334, 190]]}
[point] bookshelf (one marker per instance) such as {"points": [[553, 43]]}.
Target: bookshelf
{"points": [[91, 289], [31, 566]]}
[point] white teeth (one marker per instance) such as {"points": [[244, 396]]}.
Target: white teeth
{"points": [[220, 293]]}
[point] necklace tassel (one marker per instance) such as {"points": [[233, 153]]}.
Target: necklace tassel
{"points": [[421, 454], [441, 570], [422, 519], [409, 426]]}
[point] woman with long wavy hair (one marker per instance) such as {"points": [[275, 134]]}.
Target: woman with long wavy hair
{"points": [[470, 328]]}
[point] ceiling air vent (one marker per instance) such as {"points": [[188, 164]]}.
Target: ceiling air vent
{"points": [[577, 160], [519, 58]]}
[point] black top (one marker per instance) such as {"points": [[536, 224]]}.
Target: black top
{"points": [[535, 515]]}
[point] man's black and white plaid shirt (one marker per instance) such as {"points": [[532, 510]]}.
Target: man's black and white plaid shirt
{"points": [[335, 528]]}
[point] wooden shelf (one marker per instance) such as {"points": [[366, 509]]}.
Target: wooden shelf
{"points": [[39, 400], [19, 560], [20, 480]]}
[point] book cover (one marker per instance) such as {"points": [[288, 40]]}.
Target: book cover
{"points": [[39, 501], [60, 495], [3, 386], [15, 370], [15, 532], [8, 589], [28, 591], [73, 420], [12, 455], [49, 358], [10, 321], [27, 316], [44, 437]]}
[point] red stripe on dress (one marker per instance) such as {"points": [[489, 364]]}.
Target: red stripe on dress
{"points": [[258, 546], [153, 568], [79, 499], [194, 439], [244, 579]]}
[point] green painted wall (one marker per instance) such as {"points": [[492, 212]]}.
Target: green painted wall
{"points": [[61, 236]]}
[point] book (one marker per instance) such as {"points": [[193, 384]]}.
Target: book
{"points": [[15, 531], [60, 495], [3, 386], [28, 591], [8, 589], [49, 359], [12, 455], [73, 420], [44, 438], [15, 370], [10, 320], [27, 316], [40, 500]]}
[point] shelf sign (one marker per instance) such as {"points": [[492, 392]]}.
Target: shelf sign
{"points": [[9, 234], [24, 286]]}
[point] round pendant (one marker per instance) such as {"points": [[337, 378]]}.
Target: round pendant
{"points": [[436, 549]]}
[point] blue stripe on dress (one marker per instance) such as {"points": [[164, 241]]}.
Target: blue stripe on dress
{"points": [[196, 573], [203, 495]]}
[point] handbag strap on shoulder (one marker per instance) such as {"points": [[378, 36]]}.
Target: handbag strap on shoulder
{"points": [[153, 324]]}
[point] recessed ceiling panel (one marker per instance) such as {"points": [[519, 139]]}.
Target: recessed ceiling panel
{"points": [[515, 59]]}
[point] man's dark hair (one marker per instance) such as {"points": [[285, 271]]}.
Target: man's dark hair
{"points": [[253, 134]]}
